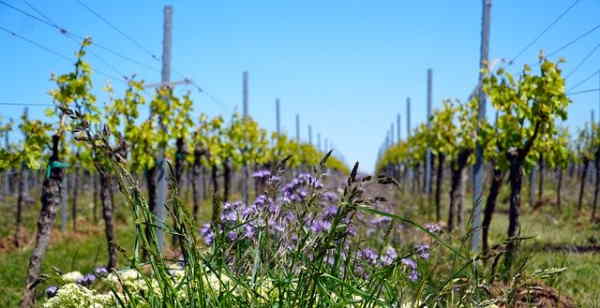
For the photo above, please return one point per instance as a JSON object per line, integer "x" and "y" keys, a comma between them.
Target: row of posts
{"x": 478, "y": 166}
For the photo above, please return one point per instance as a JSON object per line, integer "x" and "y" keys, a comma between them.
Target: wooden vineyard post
{"x": 478, "y": 166}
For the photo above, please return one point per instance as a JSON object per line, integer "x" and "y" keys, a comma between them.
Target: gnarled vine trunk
{"x": 107, "y": 214}
{"x": 226, "y": 180}
{"x": 179, "y": 161}
{"x": 151, "y": 187}
{"x": 541, "y": 178}
{"x": 571, "y": 169}
{"x": 74, "y": 198}
{"x": 415, "y": 178}
{"x": 216, "y": 204}
{"x": 50, "y": 199}
{"x": 597, "y": 184}
{"x": 584, "y": 170}
{"x": 204, "y": 183}
{"x": 20, "y": 196}
{"x": 457, "y": 166}
{"x": 559, "y": 184}
{"x": 96, "y": 193}
{"x": 196, "y": 172}
{"x": 490, "y": 206}
{"x": 532, "y": 188}
{"x": 516, "y": 178}
{"x": 64, "y": 206}
{"x": 454, "y": 191}
{"x": 438, "y": 186}
{"x": 460, "y": 204}
{"x": 245, "y": 183}
{"x": 179, "y": 169}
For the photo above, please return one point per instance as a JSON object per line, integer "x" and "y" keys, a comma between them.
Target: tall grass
{"x": 299, "y": 244}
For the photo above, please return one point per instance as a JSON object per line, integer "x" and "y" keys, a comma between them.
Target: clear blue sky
{"x": 345, "y": 66}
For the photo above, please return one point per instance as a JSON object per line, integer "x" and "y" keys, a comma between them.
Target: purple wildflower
{"x": 295, "y": 191}
{"x": 360, "y": 271}
{"x": 232, "y": 206}
{"x": 274, "y": 208}
{"x": 320, "y": 226}
{"x": 249, "y": 210}
{"x": 232, "y": 236}
{"x": 260, "y": 201}
{"x": 389, "y": 256}
{"x": 303, "y": 193}
{"x": 290, "y": 217}
{"x": 380, "y": 220}
{"x": 87, "y": 280}
{"x": 368, "y": 255}
{"x": 273, "y": 180}
{"x": 423, "y": 251}
{"x": 329, "y": 196}
{"x": 261, "y": 174}
{"x": 249, "y": 231}
{"x": 308, "y": 179}
{"x": 101, "y": 271}
{"x": 433, "y": 228}
{"x": 207, "y": 234}
{"x": 276, "y": 226}
{"x": 351, "y": 230}
{"x": 51, "y": 291}
{"x": 330, "y": 211}
{"x": 229, "y": 216}
{"x": 410, "y": 263}
{"x": 413, "y": 275}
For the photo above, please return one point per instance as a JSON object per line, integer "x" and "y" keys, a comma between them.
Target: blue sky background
{"x": 345, "y": 66}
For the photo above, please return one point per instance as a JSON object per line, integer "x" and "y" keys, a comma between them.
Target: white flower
{"x": 123, "y": 276}
{"x": 71, "y": 295}
{"x": 129, "y": 274}
{"x": 104, "y": 299}
{"x": 71, "y": 277}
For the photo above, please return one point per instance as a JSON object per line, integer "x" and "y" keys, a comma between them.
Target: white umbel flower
{"x": 71, "y": 277}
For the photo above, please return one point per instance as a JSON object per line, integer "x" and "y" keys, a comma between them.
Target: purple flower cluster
{"x": 412, "y": 266}
{"x": 377, "y": 224}
{"x": 230, "y": 212}
{"x": 423, "y": 251}
{"x": 329, "y": 212}
{"x": 329, "y": 196}
{"x": 273, "y": 179}
{"x": 207, "y": 234}
{"x": 249, "y": 217}
{"x": 249, "y": 231}
{"x": 371, "y": 257}
{"x": 87, "y": 280}
{"x": 433, "y": 227}
{"x": 286, "y": 219}
{"x": 51, "y": 291}
{"x": 389, "y": 256}
{"x": 322, "y": 222}
{"x": 380, "y": 221}
{"x": 298, "y": 188}
{"x": 101, "y": 271}
{"x": 262, "y": 174}
{"x": 320, "y": 225}
{"x": 242, "y": 221}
